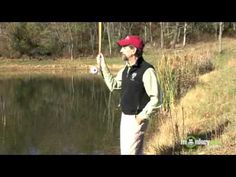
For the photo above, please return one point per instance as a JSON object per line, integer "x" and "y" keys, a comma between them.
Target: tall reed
{"x": 178, "y": 72}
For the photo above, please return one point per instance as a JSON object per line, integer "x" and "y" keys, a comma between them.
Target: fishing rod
{"x": 99, "y": 37}
{"x": 100, "y": 44}
{"x": 94, "y": 69}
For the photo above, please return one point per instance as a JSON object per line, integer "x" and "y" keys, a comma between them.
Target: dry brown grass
{"x": 232, "y": 63}
{"x": 208, "y": 110}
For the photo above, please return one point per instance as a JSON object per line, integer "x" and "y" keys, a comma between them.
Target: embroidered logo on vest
{"x": 133, "y": 76}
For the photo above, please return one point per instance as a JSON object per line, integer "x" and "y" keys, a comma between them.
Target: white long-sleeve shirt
{"x": 151, "y": 85}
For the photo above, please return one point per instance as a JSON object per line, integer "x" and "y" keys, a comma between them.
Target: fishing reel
{"x": 93, "y": 70}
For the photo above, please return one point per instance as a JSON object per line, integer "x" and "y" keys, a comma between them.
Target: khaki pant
{"x": 131, "y": 135}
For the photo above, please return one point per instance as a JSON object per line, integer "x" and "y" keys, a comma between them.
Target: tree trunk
{"x": 178, "y": 35}
{"x": 185, "y": 30}
{"x": 108, "y": 35}
{"x": 220, "y": 36}
{"x": 162, "y": 34}
{"x": 216, "y": 30}
{"x": 71, "y": 42}
{"x": 150, "y": 31}
{"x": 173, "y": 42}
{"x": 112, "y": 32}
{"x": 130, "y": 26}
{"x": 119, "y": 30}
{"x": 92, "y": 39}
{"x": 145, "y": 32}
{"x": 167, "y": 27}
{"x": 81, "y": 40}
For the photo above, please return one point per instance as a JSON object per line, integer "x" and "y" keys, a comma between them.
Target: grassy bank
{"x": 207, "y": 111}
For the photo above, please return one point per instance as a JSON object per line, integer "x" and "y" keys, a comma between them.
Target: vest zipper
{"x": 127, "y": 74}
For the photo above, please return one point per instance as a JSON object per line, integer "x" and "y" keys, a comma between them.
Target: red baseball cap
{"x": 133, "y": 40}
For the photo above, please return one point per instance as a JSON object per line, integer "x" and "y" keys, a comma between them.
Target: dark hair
{"x": 138, "y": 52}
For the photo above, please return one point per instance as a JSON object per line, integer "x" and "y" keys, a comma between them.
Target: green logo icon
{"x": 191, "y": 142}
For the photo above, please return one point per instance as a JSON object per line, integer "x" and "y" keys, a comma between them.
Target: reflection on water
{"x": 52, "y": 115}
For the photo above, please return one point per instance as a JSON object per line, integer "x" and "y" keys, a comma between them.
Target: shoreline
{"x": 48, "y": 66}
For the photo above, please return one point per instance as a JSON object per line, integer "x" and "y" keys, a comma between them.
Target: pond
{"x": 50, "y": 114}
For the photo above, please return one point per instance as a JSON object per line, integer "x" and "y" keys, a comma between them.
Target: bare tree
{"x": 162, "y": 34}
{"x": 108, "y": 35}
{"x": 173, "y": 42}
{"x": 220, "y": 36}
{"x": 64, "y": 33}
{"x": 119, "y": 30}
{"x": 185, "y": 32}
{"x": 150, "y": 31}
{"x": 71, "y": 41}
{"x": 145, "y": 32}
{"x": 178, "y": 34}
{"x": 92, "y": 39}
{"x": 216, "y": 30}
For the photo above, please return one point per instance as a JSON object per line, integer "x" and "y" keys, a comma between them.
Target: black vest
{"x": 133, "y": 95}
